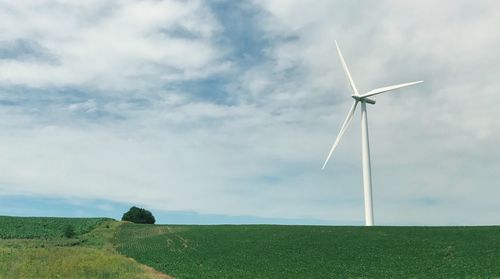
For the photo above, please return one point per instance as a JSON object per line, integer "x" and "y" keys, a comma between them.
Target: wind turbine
{"x": 363, "y": 99}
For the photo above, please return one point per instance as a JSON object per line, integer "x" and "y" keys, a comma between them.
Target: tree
{"x": 139, "y": 215}
{"x": 69, "y": 231}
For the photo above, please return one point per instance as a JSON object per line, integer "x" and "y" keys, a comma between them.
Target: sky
{"x": 224, "y": 111}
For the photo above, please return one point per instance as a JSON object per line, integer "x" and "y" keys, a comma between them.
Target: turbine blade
{"x": 346, "y": 70}
{"x": 388, "y": 88}
{"x": 347, "y": 121}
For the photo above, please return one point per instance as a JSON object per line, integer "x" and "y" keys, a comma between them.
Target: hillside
{"x": 32, "y": 247}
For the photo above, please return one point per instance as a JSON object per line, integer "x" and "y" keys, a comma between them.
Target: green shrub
{"x": 69, "y": 231}
{"x": 139, "y": 216}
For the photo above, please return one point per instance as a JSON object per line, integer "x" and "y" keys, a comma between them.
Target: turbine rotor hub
{"x": 365, "y": 99}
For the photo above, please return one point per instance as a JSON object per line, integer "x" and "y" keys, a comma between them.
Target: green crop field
{"x": 314, "y": 251}
{"x": 43, "y": 227}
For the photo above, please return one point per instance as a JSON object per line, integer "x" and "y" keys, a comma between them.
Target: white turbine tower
{"x": 363, "y": 99}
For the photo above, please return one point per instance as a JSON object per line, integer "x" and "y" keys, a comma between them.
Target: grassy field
{"x": 314, "y": 251}
{"x": 36, "y": 248}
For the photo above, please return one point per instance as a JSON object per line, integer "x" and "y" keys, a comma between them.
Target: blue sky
{"x": 223, "y": 111}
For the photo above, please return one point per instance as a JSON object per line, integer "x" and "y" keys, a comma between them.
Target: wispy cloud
{"x": 229, "y": 108}
{"x": 112, "y": 45}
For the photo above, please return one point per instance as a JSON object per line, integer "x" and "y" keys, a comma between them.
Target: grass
{"x": 65, "y": 262}
{"x": 314, "y": 251}
{"x": 36, "y": 248}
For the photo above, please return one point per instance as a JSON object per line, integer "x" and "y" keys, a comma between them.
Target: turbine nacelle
{"x": 364, "y": 99}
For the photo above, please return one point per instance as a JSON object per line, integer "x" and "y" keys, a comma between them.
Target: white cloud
{"x": 114, "y": 45}
{"x": 87, "y": 106}
{"x": 433, "y": 146}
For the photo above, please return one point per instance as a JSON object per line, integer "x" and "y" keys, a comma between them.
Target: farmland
{"x": 43, "y": 227}
{"x": 314, "y": 251}
{"x": 105, "y": 248}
